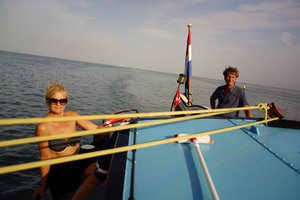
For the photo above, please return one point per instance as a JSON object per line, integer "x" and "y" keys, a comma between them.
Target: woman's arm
{"x": 45, "y": 153}
{"x": 84, "y": 124}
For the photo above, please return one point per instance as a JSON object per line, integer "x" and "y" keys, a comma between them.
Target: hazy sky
{"x": 260, "y": 37}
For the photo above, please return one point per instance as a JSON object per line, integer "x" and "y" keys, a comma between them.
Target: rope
{"x": 25, "y": 166}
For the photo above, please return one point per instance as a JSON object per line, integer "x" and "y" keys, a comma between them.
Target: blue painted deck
{"x": 242, "y": 164}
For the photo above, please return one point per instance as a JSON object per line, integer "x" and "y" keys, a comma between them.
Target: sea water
{"x": 94, "y": 89}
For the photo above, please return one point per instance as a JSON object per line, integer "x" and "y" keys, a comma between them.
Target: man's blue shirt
{"x": 235, "y": 98}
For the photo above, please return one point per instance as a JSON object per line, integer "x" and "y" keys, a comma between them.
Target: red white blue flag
{"x": 177, "y": 99}
{"x": 188, "y": 64}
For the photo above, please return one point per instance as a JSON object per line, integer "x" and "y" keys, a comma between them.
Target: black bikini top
{"x": 61, "y": 144}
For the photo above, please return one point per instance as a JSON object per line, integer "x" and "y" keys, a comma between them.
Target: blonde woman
{"x": 61, "y": 178}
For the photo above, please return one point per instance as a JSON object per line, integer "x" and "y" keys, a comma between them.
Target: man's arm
{"x": 212, "y": 103}
{"x": 248, "y": 113}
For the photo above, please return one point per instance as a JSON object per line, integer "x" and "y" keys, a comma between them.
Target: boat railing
{"x": 193, "y": 114}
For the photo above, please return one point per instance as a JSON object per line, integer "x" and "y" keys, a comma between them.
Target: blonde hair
{"x": 54, "y": 87}
{"x": 232, "y": 70}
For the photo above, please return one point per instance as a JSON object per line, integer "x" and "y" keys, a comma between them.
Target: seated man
{"x": 230, "y": 95}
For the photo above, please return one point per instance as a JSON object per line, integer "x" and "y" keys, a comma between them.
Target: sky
{"x": 260, "y": 37}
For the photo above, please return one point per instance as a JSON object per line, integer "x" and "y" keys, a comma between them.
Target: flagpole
{"x": 188, "y": 66}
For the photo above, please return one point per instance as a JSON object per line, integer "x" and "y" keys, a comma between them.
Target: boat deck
{"x": 242, "y": 164}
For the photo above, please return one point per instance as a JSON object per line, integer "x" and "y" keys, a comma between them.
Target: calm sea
{"x": 93, "y": 89}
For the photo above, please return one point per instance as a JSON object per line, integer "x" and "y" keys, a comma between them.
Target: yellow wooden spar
{"x": 133, "y": 115}
{"x": 204, "y": 113}
{"x": 196, "y": 114}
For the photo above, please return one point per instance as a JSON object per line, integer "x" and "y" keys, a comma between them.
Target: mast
{"x": 188, "y": 66}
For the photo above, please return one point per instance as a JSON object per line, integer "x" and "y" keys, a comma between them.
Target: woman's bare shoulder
{"x": 41, "y": 129}
{"x": 71, "y": 113}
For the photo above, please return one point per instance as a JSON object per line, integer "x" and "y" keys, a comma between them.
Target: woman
{"x": 65, "y": 177}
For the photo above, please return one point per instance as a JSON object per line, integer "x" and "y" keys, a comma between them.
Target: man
{"x": 230, "y": 95}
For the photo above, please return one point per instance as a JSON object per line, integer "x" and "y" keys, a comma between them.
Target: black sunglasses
{"x": 55, "y": 101}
